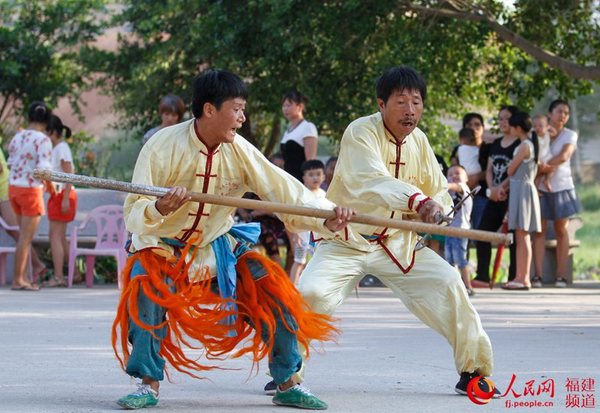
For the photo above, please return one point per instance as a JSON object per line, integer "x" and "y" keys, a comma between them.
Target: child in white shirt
{"x": 313, "y": 175}
{"x": 468, "y": 151}
{"x": 456, "y": 248}
{"x": 542, "y": 129}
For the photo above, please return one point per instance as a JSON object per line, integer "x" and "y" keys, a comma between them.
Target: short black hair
{"x": 275, "y": 156}
{"x": 331, "y": 160}
{"x": 55, "y": 125}
{"x": 296, "y": 97}
{"x": 400, "y": 78}
{"x": 216, "y": 86}
{"x": 558, "y": 102}
{"x": 457, "y": 166}
{"x": 468, "y": 134}
{"x": 510, "y": 108}
{"x": 472, "y": 115}
{"x": 310, "y": 165}
{"x": 39, "y": 112}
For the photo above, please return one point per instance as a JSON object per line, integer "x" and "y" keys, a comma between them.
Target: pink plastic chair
{"x": 110, "y": 240}
{"x": 4, "y": 251}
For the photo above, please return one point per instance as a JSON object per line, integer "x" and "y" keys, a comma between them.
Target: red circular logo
{"x": 476, "y": 394}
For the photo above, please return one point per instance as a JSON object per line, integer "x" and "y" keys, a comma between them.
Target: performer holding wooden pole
{"x": 192, "y": 278}
{"x": 386, "y": 165}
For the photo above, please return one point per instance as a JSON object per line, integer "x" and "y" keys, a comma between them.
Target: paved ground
{"x": 56, "y": 356}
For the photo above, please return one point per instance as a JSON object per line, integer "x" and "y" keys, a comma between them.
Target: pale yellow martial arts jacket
{"x": 175, "y": 156}
{"x": 377, "y": 175}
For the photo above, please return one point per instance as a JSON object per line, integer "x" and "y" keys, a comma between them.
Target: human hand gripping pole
{"x": 274, "y": 207}
{"x": 447, "y": 219}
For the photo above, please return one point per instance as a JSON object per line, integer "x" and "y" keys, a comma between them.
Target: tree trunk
{"x": 274, "y": 138}
{"x": 246, "y": 131}
{"x": 570, "y": 68}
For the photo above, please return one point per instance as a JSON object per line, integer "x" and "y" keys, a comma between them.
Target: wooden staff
{"x": 274, "y": 207}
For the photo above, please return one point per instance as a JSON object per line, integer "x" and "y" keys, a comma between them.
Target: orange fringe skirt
{"x": 195, "y": 314}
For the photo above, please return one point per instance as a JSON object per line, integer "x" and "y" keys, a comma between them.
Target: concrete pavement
{"x": 56, "y": 357}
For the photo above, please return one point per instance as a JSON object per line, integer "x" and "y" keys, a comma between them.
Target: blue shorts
{"x": 455, "y": 251}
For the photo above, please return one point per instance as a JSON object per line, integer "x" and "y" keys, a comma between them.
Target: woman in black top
{"x": 499, "y": 156}
{"x": 299, "y": 142}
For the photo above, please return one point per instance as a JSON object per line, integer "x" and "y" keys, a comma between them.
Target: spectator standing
{"x": 499, "y": 156}
{"x": 6, "y": 211}
{"x": 62, "y": 204}
{"x": 9, "y": 217}
{"x": 474, "y": 121}
{"x": 299, "y": 142}
{"x": 29, "y": 149}
{"x": 329, "y": 170}
{"x": 171, "y": 110}
{"x": 313, "y": 175}
{"x": 455, "y": 249}
{"x": 524, "y": 204}
{"x": 560, "y": 203}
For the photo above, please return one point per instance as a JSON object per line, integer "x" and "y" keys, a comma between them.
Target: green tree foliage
{"x": 333, "y": 52}
{"x": 42, "y": 49}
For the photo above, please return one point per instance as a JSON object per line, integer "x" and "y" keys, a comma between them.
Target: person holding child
{"x": 524, "y": 205}
{"x": 313, "y": 175}
{"x": 559, "y": 202}
{"x": 475, "y": 122}
{"x": 456, "y": 248}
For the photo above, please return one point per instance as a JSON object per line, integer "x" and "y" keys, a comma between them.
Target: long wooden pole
{"x": 274, "y": 207}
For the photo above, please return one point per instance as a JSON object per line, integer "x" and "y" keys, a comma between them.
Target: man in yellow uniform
{"x": 387, "y": 168}
{"x": 192, "y": 279}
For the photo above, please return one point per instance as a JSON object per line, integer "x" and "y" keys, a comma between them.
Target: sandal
{"x": 25, "y": 287}
{"x": 55, "y": 282}
{"x": 515, "y": 285}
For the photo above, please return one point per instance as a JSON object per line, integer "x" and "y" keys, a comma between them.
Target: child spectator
{"x": 468, "y": 151}
{"x": 542, "y": 129}
{"x": 171, "y": 110}
{"x": 524, "y": 214}
{"x": 313, "y": 175}
{"x": 272, "y": 228}
{"x": 329, "y": 170}
{"x": 456, "y": 248}
{"x": 62, "y": 204}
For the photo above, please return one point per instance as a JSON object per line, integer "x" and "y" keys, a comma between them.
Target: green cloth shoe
{"x": 299, "y": 396}
{"x": 144, "y": 396}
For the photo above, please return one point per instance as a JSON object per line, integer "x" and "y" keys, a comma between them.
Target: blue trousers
{"x": 145, "y": 360}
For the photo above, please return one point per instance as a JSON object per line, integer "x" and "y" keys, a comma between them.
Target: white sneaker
{"x": 560, "y": 283}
